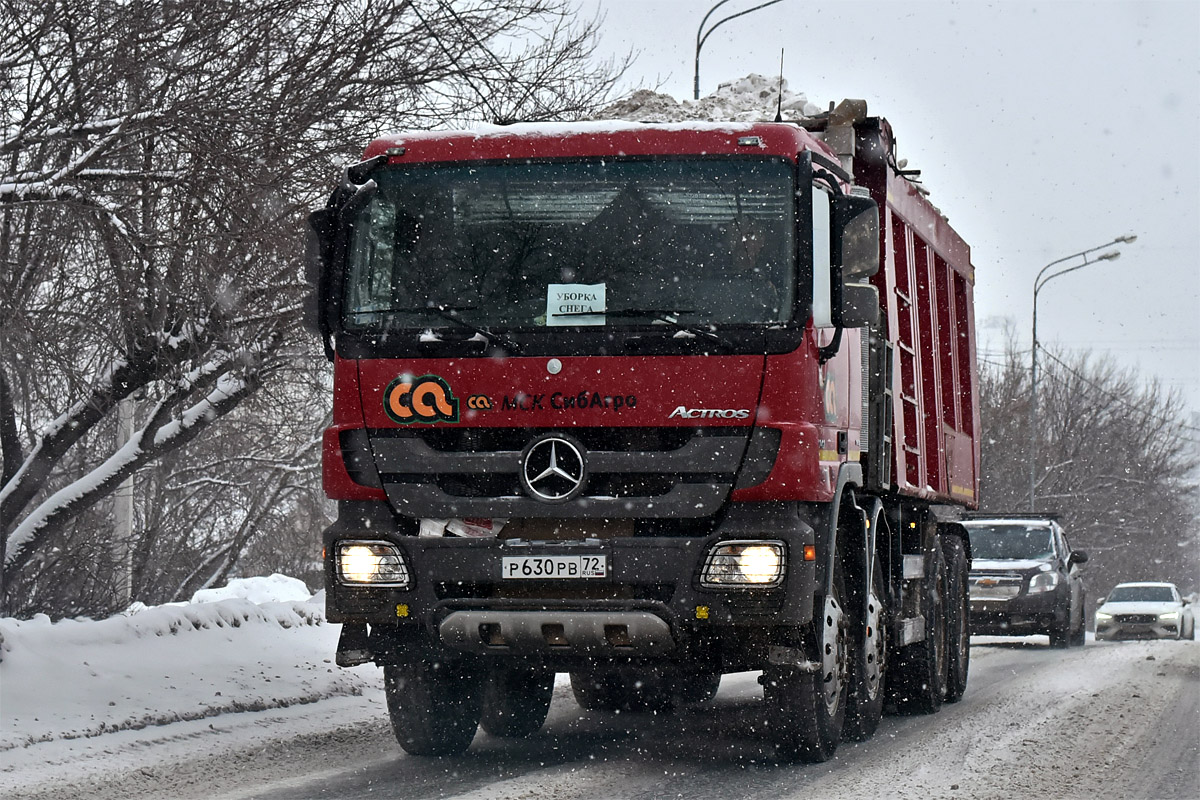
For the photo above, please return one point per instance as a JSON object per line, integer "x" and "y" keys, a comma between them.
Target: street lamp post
{"x": 702, "y": 36}
{"x": 1038, "y": 282}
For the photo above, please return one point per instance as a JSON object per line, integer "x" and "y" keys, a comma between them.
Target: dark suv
{"x": 1025, "y": 579}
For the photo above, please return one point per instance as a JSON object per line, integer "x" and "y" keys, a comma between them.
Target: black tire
{"x": 1060, "y": 635}
{"x": 1079, "y": 635}
{"x": 806, "y": 711}
{"x": 597, "y": 691}
{"x": 693, "y": 689}
{"x": 958, "y": 615}
{"x": 919, "y": 684}
{"x": 864, "y": 704}
{"x": 434, "y": 706}
{"x": 515, "y": 701}
{"x": 622, "y": 690}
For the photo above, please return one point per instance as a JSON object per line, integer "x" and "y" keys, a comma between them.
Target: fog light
{"x": 371, "y": 563}
{"x": 747, "y": 564}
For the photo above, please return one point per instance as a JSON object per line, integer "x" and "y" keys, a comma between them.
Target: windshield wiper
{"x": 451, "y": 313}
{"x": 667, "y": 316}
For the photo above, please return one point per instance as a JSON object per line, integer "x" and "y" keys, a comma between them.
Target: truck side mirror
{"x": 854, "y": 223}
{"x": 855, "y": 236}
{"x": 1078, "y": 557}
{"x": 322, "y": 233}
{"x": 317, "y": 255}
{"x": 326, "y": 244}
{"x": 860, "y": 306}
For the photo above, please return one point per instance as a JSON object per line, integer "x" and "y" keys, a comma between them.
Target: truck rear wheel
{"x": 622, "y": 690}
{"x": 919, "y": 684}
{"x": 807, "y": 710}
{"x": 958, "y": 610}
{"x": 596, "y": 691}
{"x": 434, "y": 706}
{"x": 515, "y": 701}
{"x": 864, "y": 707}
{"x": 694, "y": 688}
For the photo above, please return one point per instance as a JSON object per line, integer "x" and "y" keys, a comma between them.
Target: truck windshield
{"x": 1011, "y": 542}
{"x": 699, "y": 242}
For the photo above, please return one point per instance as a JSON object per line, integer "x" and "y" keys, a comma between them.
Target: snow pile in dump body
{"x": 754, "y": 98}
{"x": 253, "y": 645}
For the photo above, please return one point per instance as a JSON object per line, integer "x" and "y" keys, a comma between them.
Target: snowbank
{"x": 754, "y": 98}
{"x": 256, "y": 644}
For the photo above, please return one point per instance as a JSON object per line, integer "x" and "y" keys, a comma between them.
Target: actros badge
{"x": 553, "y": 469}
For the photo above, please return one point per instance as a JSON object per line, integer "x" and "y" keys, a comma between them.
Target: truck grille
{"x": 632, "y": 472}
{"x": 1137, "y": 619}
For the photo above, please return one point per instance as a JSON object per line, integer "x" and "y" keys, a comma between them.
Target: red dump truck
{"x": 647, "y": 404}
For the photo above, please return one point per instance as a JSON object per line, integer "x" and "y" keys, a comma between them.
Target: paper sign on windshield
{"x": 575, "y": 304}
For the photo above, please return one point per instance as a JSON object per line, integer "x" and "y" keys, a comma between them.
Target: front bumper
{"x": 1118, "y": 630}
{"x": 650, "y": 604}
{"x": 1022, "y": 615}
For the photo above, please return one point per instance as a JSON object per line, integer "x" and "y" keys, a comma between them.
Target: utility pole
{"x": 1038, "y": 283}
{"x": 702, "y": 36}
{"x": 122, "y": 541}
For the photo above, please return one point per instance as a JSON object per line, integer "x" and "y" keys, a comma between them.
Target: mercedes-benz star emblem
{"x": 553, "y": 469}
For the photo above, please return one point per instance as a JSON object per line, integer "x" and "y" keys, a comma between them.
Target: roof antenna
{"x": 779, "y": 108}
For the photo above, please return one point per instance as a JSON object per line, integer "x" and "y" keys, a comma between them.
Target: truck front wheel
{"x": 434, "y": 706}
{"x": 806, "y": 710}
{"x": 515, "y": 701}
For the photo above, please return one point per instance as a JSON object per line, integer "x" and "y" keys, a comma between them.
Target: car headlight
{"x": 1169, "y": 615}
{"x": 749, "y": 564}
{"x": 371, "y": 564}
{"x": 1102, "y": 617}
{"x": 1043, "y": 582}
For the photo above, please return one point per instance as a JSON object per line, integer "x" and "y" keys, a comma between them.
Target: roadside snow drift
{"x": 251, "y": 646}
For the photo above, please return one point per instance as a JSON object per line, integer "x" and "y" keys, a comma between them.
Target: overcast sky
{"x": 1041, "y": 129}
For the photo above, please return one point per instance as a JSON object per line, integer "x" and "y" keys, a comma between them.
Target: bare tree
{"x": 1116, "y": 459}
{"x": 156, "y": 161}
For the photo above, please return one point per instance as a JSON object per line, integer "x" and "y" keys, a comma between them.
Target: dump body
{"x": 649, "y": 404}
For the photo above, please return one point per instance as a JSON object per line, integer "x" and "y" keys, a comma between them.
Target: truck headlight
{"x": 1102, "y": 617}
{"x": 1043, "y": 582}
{"x": 371, "y": 564}
{"x": 1169, "y": 615}
{"x": 748, "y": 564}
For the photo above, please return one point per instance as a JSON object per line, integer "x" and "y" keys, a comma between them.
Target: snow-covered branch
{"x": 146, "y": 444}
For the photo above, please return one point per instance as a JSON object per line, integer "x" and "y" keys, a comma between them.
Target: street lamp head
{"x": 1128, "y": 238}
{"x": 1111, "y": 255}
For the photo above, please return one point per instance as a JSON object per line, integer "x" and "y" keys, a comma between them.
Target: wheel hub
{"x": 833, "y": 655}
{"x": 875, "y": 646}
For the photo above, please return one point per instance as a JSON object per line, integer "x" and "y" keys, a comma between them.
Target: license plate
{"x": 543, "y": 567}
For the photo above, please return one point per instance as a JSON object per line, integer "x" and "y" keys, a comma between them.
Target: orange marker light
{"x": 810, "y": 552}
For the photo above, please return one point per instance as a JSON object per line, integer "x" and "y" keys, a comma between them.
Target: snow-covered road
{"x": 172, "y": 704}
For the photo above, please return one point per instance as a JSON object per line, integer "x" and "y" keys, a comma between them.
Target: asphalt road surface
{"x": 1111, "y": 720}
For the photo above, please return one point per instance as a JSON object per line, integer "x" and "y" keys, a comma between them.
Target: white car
{"x": 1145, "y": 610}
